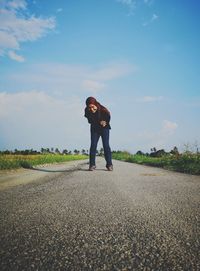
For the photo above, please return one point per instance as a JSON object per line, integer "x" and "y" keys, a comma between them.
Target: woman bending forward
{"x": 99, "y": 118}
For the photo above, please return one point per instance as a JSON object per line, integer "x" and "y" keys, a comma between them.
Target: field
{"x": 186, "y": 162}
{"x": 12, "y": 161}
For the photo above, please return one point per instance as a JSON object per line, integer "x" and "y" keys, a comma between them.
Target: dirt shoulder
{"x": 11, "y": 178}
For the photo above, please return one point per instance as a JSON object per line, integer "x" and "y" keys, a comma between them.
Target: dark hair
{"x": 92, "y": 100}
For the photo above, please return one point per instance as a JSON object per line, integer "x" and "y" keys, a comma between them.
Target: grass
{"x": 186, "y": 162}
{"x": 13, "y": 161}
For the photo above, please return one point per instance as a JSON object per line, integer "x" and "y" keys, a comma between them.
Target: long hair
{"x": 100, "y": 107}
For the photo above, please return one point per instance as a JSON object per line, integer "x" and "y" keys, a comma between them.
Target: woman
{"x": 99, "y": 118}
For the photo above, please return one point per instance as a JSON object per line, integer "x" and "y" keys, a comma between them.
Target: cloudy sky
{"x": 139, "y": 58}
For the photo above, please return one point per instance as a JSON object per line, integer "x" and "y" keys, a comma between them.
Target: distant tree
{"x": 65, "y": 152}
{"x": 174, "y": 151}
{"x": 83, "y": 152}
{"x": 158, "y": 153}
{"x": 153, "y": 149}
{"x": 52, "y": 149}
{"x": 35, "y": 152}
{"x": 140, "y": 153}
{"x": 26, "y": 152}
{"x": 32, "y": 151}
{"x": 76, "y": 151}
{"x": 57, "y": 151}
{"x": 7, "y": 152}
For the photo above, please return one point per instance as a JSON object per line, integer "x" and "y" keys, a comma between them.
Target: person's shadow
{"x": 28, "y": 166}
{"x": 51, "y": 170}
{"x": 97, "y": 169}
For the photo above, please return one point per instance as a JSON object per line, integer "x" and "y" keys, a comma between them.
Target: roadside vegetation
{"x": 186, "y": 162}
{"x": 30, "y": 158}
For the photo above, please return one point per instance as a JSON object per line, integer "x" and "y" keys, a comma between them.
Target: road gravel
{"x": 65, "y": 217}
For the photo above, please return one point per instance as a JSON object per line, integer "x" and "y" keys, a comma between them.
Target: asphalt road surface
{"x": 68, "y": 218}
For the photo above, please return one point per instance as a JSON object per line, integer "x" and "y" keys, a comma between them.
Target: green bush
{"x": 186, "y": 162}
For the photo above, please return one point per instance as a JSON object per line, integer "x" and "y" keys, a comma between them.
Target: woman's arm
{"x": 105, "y": 118}
{"x": 87, "y": 115}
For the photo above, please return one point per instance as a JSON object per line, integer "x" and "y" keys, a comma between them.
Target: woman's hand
{"x": 103, "y": 123}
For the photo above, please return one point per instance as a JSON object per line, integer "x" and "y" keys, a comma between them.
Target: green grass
{"x": 13, "y": 161}
{"x": 186, "y": 162}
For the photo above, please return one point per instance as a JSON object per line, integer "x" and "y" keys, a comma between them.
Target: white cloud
{"x": 153, "y": 18}
{"x": 131, "y": 4}
{"x": 17, "y": 26}
{"x": 16, "y": 57}
{"x": 112, "y": 71}
{"x": 93, "y": 86}
{"x": 7, "y": 41}
{"x": 168, "y": 127}
{"x": 59, "y": 10}
{"x": 17, "y": 4}
{"x": 160, "y": 138}
{"x": 67, "y": 78}
{"x": 35, "y": 119}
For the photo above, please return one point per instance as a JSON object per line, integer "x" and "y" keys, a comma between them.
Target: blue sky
{"x": 140, "y": 58}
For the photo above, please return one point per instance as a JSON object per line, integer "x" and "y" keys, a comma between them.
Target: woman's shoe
{"x": 110, "y": 168}
{"x": 91, "y": 168}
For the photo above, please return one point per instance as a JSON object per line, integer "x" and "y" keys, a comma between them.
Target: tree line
{"x": 154, "y": 152}
{"x": 50, "y": 151}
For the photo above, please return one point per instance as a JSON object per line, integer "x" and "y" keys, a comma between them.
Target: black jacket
{"x": 95, "y": 118}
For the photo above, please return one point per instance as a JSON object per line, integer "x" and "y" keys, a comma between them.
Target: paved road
{"x": 134, "y": 218}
